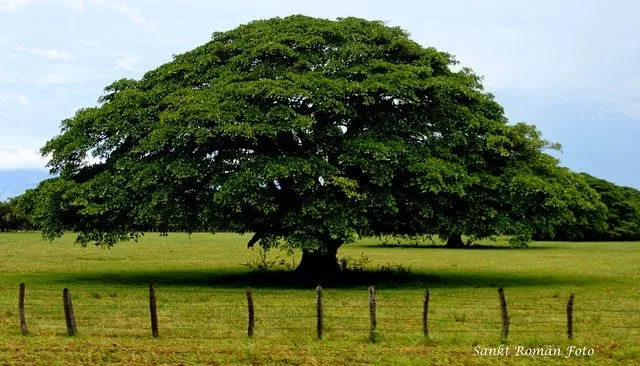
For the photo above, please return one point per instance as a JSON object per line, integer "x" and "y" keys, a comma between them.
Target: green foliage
{"x": 620, "y": 215}
{"x": 11, "y": 217}
{"x": 263, "y": 262}
{"x": 351, "y": 264}
{"x": 521, "y": 190}
{"x": 623, "y": 205}
{"x": 305, "y": 131}
{"x": 550, "y": 199}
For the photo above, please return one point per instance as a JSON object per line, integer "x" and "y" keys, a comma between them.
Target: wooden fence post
{"x": 320, "y": 326}
{"x": 153, "y": 310}
{"x": 251, "y": 313}
{"x": 70, "y": 319}
{"x": 425, "y": 313}
{"x": 23, "y": 320}
{"x": 570, "y": 316}
{"x": 372, "y": 314}
{"x": 505, "y": 315}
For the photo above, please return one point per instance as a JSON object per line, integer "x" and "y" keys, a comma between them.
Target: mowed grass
{"x": 201, "y": 283}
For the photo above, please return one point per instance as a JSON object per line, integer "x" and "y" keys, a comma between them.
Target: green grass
{"x": 202, "y": 306}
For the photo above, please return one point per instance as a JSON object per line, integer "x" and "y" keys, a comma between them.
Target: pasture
{"x": 202, "y": 309}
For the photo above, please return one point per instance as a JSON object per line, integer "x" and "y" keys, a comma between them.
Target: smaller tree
{"x": 11, "y": 217}
{"x": 519, "y": 190}
{"x": 551, "y": 201}
{"x": 621, "y": 216}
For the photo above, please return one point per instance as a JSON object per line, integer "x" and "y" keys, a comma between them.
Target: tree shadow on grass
{"x": 288, "y": 280}
{"x": 470, "y": 247}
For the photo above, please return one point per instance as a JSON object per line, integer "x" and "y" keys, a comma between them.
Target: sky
{"x": 569, "y": 67}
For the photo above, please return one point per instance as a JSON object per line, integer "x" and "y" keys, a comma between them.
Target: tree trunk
{"x": 455, "y": 241}
{"x": 319, "y": 263}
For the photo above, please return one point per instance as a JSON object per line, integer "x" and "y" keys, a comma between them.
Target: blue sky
{"x": 569, "y": 67}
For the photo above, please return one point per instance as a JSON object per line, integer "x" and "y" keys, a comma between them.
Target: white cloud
{"x": 55, "y": 78}
{"x": 127, "y": 62}
{"x": 24, "y": 100}
{"x": 77, "y": 5}
{"x": 54, "y": 74}
{"x": 51, "y": 53}
{"x": 122, "y": 8}
{"x": 87, "y": 43}
{"x": 7, "y": 6}
{"x": 23, "y": 158}
{"x": 67, "y": 73}
{"x": 130, "y": 13}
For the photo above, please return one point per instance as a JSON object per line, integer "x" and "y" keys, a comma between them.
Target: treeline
{"x": 622, "y": 220}
{"x": 622, "y": 217}
{"x": 11, "y": 217}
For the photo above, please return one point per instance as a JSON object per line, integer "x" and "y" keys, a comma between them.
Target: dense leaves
{"x": 11, "y": 218}
{"x": 622, "y": 215}
{"x": 306, "y": 132}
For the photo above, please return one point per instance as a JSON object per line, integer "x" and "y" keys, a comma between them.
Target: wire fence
{"x": 232, "y": 313}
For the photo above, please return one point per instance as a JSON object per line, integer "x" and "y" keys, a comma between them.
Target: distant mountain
{"x": 14, "y": 182}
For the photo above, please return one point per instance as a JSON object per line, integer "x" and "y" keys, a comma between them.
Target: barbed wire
{"x": 101, "y": 314}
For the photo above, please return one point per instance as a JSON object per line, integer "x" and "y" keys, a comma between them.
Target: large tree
{"x": 305, "y": 132}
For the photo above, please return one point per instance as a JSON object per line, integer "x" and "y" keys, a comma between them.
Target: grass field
{"x": 201, "y": 281}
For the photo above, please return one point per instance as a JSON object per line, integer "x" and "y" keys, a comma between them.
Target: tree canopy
{"x": 621, "y": 216}
{"x": 305, "y": 132}
{"x": 11, "y": 217}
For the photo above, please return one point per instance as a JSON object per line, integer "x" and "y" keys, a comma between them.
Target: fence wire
{"x": 223, "y": 313}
